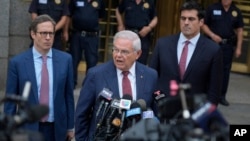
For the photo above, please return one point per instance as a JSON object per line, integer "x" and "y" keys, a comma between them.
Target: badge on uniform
{"x": 57, "y": 1}
{"x": 217, "y": 12}
{"x": 95, "y": 4}
{"x": 146, "y": 5}
{"x": 79, "y": 4}
{"x": 43, "y": 1}
{"x": 234, "y": 13}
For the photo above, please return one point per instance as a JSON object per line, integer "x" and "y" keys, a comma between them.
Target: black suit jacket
{"x": 204, "y": 71}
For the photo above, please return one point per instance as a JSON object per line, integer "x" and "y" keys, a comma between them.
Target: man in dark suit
{"x": 126, "y": 50}
{"x": 203, "y": 62}
{"x": 58, "y": 125}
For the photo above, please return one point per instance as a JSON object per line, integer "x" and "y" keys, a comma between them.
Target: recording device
{"x": 112, "y": 118}
{"x": 209, "y": 118}
{"x": 205, "y": 124}
{"x": 125, "y": 103}
{"x": 104, "y": 97}
{"x": 185, "y": 110}
{"x": 110, "y": 122}
{"x": 144, "y": 130}
{"x": 174, "y": 106}
{"x": 19, "y": 100}
{"x": 31, "y": 114}
{"x": 115, "y": 119}
{"x": 148, "y": 114}
{"x": 142, "y": 104}
{"x": 9, "y": 130}
{"x": 133, "y": 115}
{"x": 158, "y": 96}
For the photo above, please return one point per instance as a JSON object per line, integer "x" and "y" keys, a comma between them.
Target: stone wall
{"x": 14, "y": 35}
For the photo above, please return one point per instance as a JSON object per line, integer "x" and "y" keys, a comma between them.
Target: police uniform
{"x": 136, "y": 16}
{"x": 55, "y": 9}
{"x": 85, "y": 15}
{"x": 223, "y": 23}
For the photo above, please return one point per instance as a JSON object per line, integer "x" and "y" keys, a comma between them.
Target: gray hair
{"x": 127, "y": 34}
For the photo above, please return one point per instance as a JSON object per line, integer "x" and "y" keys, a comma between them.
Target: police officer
{"x": 85, "y": 16}
{"x": 140, "y": 17}
{"x": 56, "y": 9}
{"x": 224, "y": 25}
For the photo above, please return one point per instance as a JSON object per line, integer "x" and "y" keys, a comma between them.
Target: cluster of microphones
{"x": 9, "y": 124}
{"x": 178, "y": 117}
{"x": 114, "y": 116}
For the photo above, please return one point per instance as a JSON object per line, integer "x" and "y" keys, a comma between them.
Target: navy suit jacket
{"x": 21, "y": 69}
{"x": 105, "y": 76}
{"x": 204, "y": 71}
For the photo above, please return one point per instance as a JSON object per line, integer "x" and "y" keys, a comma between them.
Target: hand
{"x": 120, "y": 27}
{"x": 65, "y": 36}
{"x": 216, "y": 38}
{"x": 70, "y": 135}
{"x": 237, "y": 52}
{"x": 144, "y": 31}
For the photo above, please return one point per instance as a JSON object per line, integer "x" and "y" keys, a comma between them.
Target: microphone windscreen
{"x": 134, "y": 105}
{"x": 142, "y": 104}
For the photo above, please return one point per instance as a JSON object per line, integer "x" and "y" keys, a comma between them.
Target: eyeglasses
{"x": 122, "y": 52}
{"x": 45, "y": 34}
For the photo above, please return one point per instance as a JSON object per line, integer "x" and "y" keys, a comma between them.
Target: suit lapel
{"x": 56, "y": 67}
{"x": 110, "y": 77}
{"x": 29, "y": 66}
{"x": 173, "y": 48}
{"x": 195, "y": 57}
{"x": 140, "y": 81}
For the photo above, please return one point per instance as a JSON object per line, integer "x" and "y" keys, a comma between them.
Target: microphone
{"x": 26, "y": 90}
{"x": 134, "y": 113}
{"x": 104, "y": 96}
{"x": 21, "y": 100}
{"x": 209, "y": 118}
{"x": 125, "y": 103}
{"x": 31, "y": 114}
{"x": 114, "y": 106}
{"x": 142, "y": 104}
{"x": 182, "y": 88}
{"x": 147, "y": 113}
{"x": 158, "y": 96}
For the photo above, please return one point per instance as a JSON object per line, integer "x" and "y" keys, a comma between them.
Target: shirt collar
{"x": 131, "y": 70}
{"x": 193, "y": 41}
{"x": 36, "y": 54}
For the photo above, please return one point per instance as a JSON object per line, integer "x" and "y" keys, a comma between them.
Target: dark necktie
{"x": 183, "y": 59}
{"x": 44, "y": 90}
{"x": 126, "y": 86}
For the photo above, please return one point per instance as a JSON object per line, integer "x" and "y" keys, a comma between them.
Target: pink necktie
{"x": 126, "y": 86}
{"x": 183, "y": 59}
{"x": 44, "y": 90}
